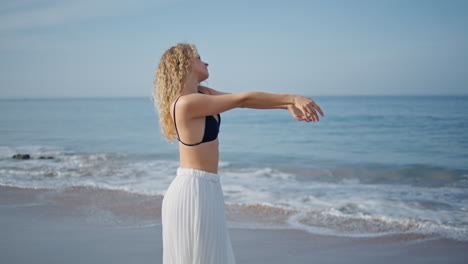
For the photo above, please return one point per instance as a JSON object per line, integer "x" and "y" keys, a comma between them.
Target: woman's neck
{"x": 190, "y": 84}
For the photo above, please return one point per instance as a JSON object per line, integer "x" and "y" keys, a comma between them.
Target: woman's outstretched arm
{"x": 302, "y": 108}
{"x": 261, "y": 100}
{"x": 198, "y": 105}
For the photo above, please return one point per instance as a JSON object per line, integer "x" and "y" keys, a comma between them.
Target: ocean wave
{"x": 333, "y": 222}
{"x": 265, "y": 173}
{"x": 125, "y": 207}
{"x": 347, "y": 200}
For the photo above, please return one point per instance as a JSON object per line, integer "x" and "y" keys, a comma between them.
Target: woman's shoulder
{"x": 205, "y": 90}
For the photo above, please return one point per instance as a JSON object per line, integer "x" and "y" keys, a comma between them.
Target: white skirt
{"x": 194, "y": 221}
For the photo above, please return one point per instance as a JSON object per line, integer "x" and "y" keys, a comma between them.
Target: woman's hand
{"x": 305, "y": 109}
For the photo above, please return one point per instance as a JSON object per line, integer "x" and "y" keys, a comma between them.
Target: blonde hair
{"x": 173, "y": 67}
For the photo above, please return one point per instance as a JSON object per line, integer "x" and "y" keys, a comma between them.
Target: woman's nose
{"x": 206, "y": 64}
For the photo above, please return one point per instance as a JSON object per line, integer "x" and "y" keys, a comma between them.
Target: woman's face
{"x": 200, "y": 68}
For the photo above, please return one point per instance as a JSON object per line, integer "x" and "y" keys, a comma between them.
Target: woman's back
{"x": 198, "y": 139}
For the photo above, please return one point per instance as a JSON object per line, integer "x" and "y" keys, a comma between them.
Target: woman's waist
{"x": 200, "y": 160}
{"x": 197, "y": 173}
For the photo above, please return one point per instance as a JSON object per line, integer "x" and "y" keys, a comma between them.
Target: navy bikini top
{"x": 211, "y": 128}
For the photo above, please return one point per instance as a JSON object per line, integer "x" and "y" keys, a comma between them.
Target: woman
{"x": 193, "y": 217}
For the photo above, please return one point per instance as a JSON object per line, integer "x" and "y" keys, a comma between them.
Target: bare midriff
{"x": 203, "y": 157}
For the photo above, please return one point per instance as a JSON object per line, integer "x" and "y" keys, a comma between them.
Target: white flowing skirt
{"x": 194, "y": 221}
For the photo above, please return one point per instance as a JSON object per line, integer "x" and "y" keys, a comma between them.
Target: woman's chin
{"x": 203, "y": 77}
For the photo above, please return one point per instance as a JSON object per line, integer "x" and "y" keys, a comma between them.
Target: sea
{"x": 372, "y": 166}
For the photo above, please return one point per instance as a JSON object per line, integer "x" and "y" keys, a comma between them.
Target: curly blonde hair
{"x": 173, "y": 67}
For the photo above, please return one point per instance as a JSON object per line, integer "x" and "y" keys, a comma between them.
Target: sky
{"x": 111, "y": 48}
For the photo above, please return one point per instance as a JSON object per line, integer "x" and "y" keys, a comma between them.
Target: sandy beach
{"x": 75, "y": 229}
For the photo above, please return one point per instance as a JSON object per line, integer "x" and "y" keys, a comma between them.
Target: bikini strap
{"x": 175, "y": 125}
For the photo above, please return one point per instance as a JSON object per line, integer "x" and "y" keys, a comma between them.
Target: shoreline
{"x": 56, "y": 232}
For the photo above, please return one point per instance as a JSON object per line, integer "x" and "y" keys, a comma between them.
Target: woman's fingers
{"x": 309, "y": 113}
{"x": 311, "y": 109}
{"x": 305, "y": 114}
{"x": 317, "y": 108}
{"x": 306, "y": 109}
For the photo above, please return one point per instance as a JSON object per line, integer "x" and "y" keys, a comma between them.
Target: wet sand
{"x": 61, "y": 231}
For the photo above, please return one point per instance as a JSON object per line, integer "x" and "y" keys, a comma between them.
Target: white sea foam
{"x": 346, "y": 207}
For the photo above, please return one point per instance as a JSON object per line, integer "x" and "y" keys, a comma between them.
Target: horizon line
{"x": 150, "y": 96}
